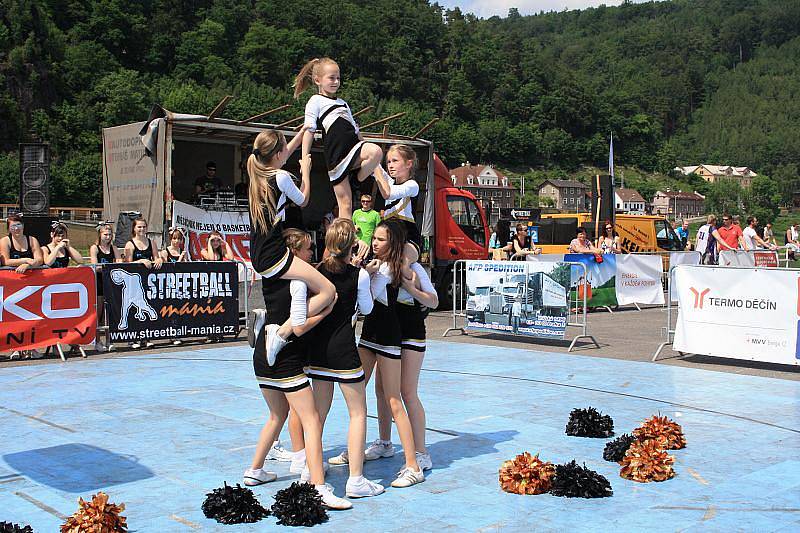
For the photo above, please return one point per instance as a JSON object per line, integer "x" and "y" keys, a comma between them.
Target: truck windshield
{"x": 465, "y": 213}
{"x": 666, "y": 237}
{"x": 482, "y": 291}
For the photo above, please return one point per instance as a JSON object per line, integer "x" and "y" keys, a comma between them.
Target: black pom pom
{"x": 299, "y": 505}
{"x": 589, "y": 422}
{"x": 575, "y": 481}
{"x": 615, "y": 450}
{"x": 233, "y": 505}
{"x": 8, "y": 527}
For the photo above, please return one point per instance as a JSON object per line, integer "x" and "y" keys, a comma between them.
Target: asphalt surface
{"x": 626, "y": 334}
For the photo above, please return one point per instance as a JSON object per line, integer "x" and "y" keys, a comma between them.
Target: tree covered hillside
{"x": 677, "y": 82}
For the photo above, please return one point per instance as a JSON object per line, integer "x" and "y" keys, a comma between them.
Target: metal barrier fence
{"x": 460, "y": 292}
{"x": 243, "y": 299}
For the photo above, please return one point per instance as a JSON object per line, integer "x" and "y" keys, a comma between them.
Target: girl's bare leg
{"x": 390, "y": 370}
{"x": 296, "y": 432}
{"x": 371, "y": 155}
{"x": 384, "y": 411}
{"x": 411, "y": 364}
{"x": 344, "y": 198}
{"x": 278, "y": 410}
{"x": 355, "y": 396}
{"x": 302, "y": 402}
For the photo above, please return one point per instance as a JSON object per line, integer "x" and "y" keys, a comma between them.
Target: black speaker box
{"x": 39, "y": 226}
{"x": 34, "y": 179}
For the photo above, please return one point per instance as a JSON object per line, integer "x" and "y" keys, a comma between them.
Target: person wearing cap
{"x": 209, "y": 183}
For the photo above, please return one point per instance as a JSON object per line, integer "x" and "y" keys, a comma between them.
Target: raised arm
{"x": 426, "y": 293}
{"x": 382, "y": 183}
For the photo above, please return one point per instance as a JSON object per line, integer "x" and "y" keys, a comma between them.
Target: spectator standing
{"x": 706, "y": 241}
{"x": 522, "y": 243}
{"x": 141, "y": 249}
{"x": 500, "y": 244}
{"x": 730, "y": 235}
{"x": 366, "y": 219}
{"x": 23, "y": 252}
{"x": 751, "y": 239}
{"x": 581, "y": 245}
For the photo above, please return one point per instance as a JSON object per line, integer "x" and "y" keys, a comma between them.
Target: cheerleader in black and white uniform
{"x": 381, "y": 339}
{"x": 345, "y": 149}
{"x": 272, "y": 190}
{"x": 416, "y": 292}
{"x": 334, "y": 357}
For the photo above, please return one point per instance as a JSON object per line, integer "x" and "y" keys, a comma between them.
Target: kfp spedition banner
{"x": 196, "y": 299}
{"x": 751, "y": 314}
{"x": 45, "y": 307}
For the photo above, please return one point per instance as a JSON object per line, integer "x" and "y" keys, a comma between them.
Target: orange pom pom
{"x": 647, "y": 461}
{"x": 526, "y": 474}
{"x": 667, "y": 432}
{"x": 96, "y": 516}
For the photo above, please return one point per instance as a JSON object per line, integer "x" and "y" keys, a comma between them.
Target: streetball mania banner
{"x": 522, "y": 298}
{"x": 196, "y": 299}
{"x": 751, "y": 314}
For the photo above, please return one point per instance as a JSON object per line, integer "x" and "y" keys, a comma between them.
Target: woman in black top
{"x": 176, "y": 251}
{"x": 141, "y": 249}
{"x": 103, "y": 252}
{"x": 17, "y": 249}
{"x": 58, "y": 253}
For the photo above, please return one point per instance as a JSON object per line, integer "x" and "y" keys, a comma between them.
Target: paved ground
{"x": 157, "y": 431}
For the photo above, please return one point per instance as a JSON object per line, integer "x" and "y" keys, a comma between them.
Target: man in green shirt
{"x": 366, "y": 219}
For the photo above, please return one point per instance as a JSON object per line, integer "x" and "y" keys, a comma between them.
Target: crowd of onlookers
{"x": 22, "y": 252}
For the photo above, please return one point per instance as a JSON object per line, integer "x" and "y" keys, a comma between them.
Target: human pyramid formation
{"x": 307, "y": 330}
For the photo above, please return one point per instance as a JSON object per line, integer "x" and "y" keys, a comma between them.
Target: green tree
{"x": 763, "y": 199}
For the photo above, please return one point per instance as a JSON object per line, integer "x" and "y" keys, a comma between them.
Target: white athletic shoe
{"x": 424, "y": 461}
{"x": 341, "y": 459}
{"x": 253, "y": 477}
{"x": 298, "y": 462}
{"x": 111, "y": 348}
{"x": 134, "y": 345}
{"x": 15, "y": 355}
{"x": 99, "y": 347}
{"x": 378, "y": 449}
{"x": 330, "y": 500}
{"x": 149, "y": 344}
{"x": 279, "y": 453}
{"x": 305, "y": 474}
{"x": 274, "y": 343}
{"x": 361, "y": 487}
{"x": 177, "y": 342}
{"x": 407, "y": 477}
{"x": 258, "y": 318}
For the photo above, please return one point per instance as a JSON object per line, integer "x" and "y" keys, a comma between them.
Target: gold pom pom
{"x": 647, "y": 461}
{"x": 667, "y": 432}
{"x": 96, "y": 516}
{"x": 526, "y": 474}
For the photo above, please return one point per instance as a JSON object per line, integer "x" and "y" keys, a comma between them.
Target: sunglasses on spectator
{"x": 17, "y": 225}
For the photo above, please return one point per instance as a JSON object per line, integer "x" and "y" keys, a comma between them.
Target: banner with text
{"x": 739, "y": 314}
{"x": 749, "y": 258}
{"x": 196, "y": 299}
{"x": 45, "y": 307}
{"x": 520, "y": 298}
{"x": 199, "y": 223}
{"x": 639, "y": 279}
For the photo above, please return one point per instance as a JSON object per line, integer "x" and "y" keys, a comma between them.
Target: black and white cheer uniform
{"x": 104, "y": 258}
{"x": 381, "y": 330}
{"x": 410, "y": 313}
{"x": 268, "y": 252}
{"x": 147, "y": 253}
{"x": 287, "y": 374}
{"x": 341, "y": 145}
{"x": 399, "y": 207}
{"x": 61, "y": 261}
{"x": 20, "y": 254}
{"x": 333, "y": 355}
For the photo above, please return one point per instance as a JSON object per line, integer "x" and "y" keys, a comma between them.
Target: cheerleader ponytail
{"x": 305, "y": 78}
{"x": 339, "y": 241}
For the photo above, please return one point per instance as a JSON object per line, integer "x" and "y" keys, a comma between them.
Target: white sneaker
{"x": 256, "y": 323}
{"x": 424, "y": 461}
{"x": 361, "y": 487}
{"x": 177, "y": 342}
{"x": 279, "y": 453}
{"x": 340, "y": 459}
{"x": 330, "y": 500}
{"x": 407, "y": 477}
{"x": 149, "y": 344}
{"x": 274, "y": 342}
{"x": 253, "y": 477}
{"x": 99, "y": 346}
{"x": 305, "y": 474}
{"x": 15, "y": 355}
{"x": 134, "y": 345}
{"x": 378, "y": 449}
{"x": 111, "y": 348}
{"x": 298, "y": 462}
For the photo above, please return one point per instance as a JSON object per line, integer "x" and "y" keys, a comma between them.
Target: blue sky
{"x": 487, "y": 8}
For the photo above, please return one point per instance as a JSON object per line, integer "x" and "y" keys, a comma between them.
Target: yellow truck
{"x": 637, "y": 233}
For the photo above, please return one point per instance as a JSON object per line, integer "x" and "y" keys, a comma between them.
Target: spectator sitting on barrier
{"x": 608, "y": 242}
{"x": 147, "y": 256}
{"x": 522, "y": 243}
{"x": 790, "y": 239}
{"x": 23, "y": 252}
{"x": 751, "y": 239}
{"x": 500, "y": 244}
{"x": 706, "y": 241}
{"x": 581, "y": 245}
{"x": 103, "y": 252}
{"x": 730, "y": 235}
{"x": 176, "y": 251}
{"x": 217, "y": 248}
{"x": 769, "y": 236}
